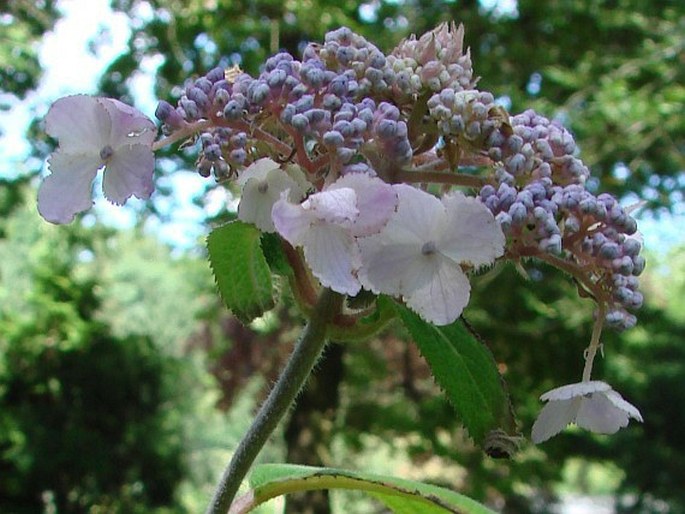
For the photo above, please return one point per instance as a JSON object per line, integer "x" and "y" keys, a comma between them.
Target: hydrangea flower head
{"x": 94, "y": 133}
{"x": 592, "y": 405}
{"x": 327, "y": 224}
{"x": 420, "y": 253}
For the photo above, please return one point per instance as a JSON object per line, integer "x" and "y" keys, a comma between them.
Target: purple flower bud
{"x": 359, "y": 125}
{"x": 198, "y": 96}
{"x": 258, "y": 93}
{"x": 166, "y": 113}
{"x": 518, "y": 213}
{"x": 344, "y": 55}
{"x": 213, "y": 152}
{"x": 504, "y": 220}
{"x": 333, "y": 138}
{"x": 221, "y": 98}
{"x": 631, "y": 247}
{"x": 487, "y": 191}
{"x": 345, "y": 154}
{"x": 216, "y": 74}
{"x": 638, "y": 265}
{"x": 609, "y": 250}
{"x": 233, "y": 110}
{"x": 202, "y": 84}
{"x": 239, "y": 140}
{"x": 516, "y": 164}
{"x": 623, "y": 265}
{"x": 572, "y": 224}
{"x": 276, "y": 78}
{"x": 300, "y": 122}
{"x": 552, "y": 244}
{"x": 238, "y": 155}
{"x": 190, "y": 108}
{"x": 316, "y": 115}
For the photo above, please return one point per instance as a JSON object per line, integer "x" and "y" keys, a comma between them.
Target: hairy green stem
{"x": 292, "y": 379}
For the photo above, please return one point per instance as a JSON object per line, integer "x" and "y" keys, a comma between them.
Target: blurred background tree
{"x": 106, "y": 303}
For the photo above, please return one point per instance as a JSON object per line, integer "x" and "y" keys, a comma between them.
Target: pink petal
{"x": 80, "y": 123}
{"x": 291, "y": 221}
{"x": 67, "y": 190}
{"x": 129, "y": 172}
{"x": 335, "y": 206}
{"x": 376, "y": 201}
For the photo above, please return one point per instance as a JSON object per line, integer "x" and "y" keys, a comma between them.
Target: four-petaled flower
{"x": 420, "y": 253}
{"x": 94, "y": 133}
{"x": 592, "y": 405}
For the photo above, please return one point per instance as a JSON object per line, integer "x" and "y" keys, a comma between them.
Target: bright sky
{"x": 71, "y": 66}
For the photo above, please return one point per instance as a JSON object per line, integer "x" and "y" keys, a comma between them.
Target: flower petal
{"x": 472, "y": 235}
{"x": 333, "y": 256}
{"x": 376, "y": 201}
{"x": 625, "y": 406}
{"x": 598, "y": 414}
{"x": 336, "y": 206}
{"x": 394, "y": 269}
{"x": 260, "y": 194}
{"x": 420, "y": 217}
{"x": 129, "y": 125}
{"x": 553, "y": 418}
{"x": 442, "y": 299}
{"x": 67, "y": 190}
{"x": 574, "y": 390}
{"x": 129, "y": 172}
{"x": 80, "y": 123}
{"x": 291, "y": 221}
{"x": 257, "y": 170}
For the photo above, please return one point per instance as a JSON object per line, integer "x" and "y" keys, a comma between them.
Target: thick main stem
{"x": 292, "y": 379}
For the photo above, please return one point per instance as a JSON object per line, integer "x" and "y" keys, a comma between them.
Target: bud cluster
{"x": 436, "y": 60}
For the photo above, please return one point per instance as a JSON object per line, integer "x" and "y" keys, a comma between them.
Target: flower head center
{"x": 106, "y": 152}
{"x": 429, "y": 248}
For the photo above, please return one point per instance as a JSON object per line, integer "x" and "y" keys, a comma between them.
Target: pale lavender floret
{"x": 94, "y": 133}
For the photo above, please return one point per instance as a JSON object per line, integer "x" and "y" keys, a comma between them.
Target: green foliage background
{"x": 123, "y": 381}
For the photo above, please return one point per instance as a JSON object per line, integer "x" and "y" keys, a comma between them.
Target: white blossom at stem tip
{"x": 592, "y": 405}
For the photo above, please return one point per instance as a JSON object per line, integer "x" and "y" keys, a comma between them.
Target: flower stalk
{"x": 292, "y": 379}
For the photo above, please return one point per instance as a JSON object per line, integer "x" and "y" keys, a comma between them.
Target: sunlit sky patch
{"x": 90, "y": 35}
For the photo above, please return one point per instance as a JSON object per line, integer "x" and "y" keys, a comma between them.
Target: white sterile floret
{"x": 262, "y": 184}
{"x": 326, "y": 225}
{"x": 94, "y": 133}
{"x": 592, "y": 405}
{"x": 420, "y": 252}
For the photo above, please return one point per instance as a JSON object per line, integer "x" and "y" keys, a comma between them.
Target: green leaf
{"x": 240, "y": 269}
{"x": 466, "y": 370}
{"x": 274, "y": 254}
{"x": 401, "y": 496}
